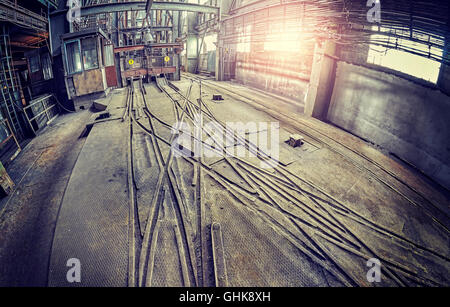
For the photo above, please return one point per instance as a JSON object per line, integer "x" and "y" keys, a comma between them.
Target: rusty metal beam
{"x": 20, "y": 62}
{"x": 153, "y": 28}
{"x": 148, "y": 71}
{"x": 166, "y": 45}
{"x": 129, "y": 48}
{"x": 142, "y": 47}
{"x": 23, "y": 45}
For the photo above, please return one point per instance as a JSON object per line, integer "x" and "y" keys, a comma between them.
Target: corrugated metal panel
{"x": 294, "y": 11}
{"x": 276, "y": 12}
{"x": 249, "y": 18}
{"x": 262, "y": 66}
{"x": 292, "y": 25}
{"x": 276, "y": 26}
{"x": 238, "y": 20}
{"x": 260, "y": 26}
{"x": 229, "y": 26}
{"x": 261, "y": 15}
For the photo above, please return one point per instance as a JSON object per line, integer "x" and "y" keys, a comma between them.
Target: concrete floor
{"x": 345, "y": 202}
{"x": 28, "y": 216}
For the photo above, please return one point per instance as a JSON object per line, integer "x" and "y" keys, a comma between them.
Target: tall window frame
{"x": 47, "y": 69}
{"x": 108, "y": 54}
{"x": 70, "y": 68}
{"x": 35, "y": 63}
{"x": 89, "y": 53}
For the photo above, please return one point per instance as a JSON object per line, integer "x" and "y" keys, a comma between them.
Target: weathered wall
{"x": 260, "y": 48}
{"x": 406, "y": 118}
{"x": 444, "y": 74}
{"x": 88, "y": 82}
{"x": 273, "y": 72}
{"x": 444, "y": 79}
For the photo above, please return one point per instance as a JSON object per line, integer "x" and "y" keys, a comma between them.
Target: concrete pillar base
{"x": 321, "y": 83}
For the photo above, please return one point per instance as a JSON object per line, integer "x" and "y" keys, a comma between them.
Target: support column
{"x": 58, "y": 25}
{"x": 115, "y": 39}
{"x": 444, "y": 74}
{"x": 322, "y": 79}
{"x": 191, "y": 43}
{"x": 218, "y": 60}
{"x": 175, "y": 34}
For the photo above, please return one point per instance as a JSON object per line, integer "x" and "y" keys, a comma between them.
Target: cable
{"x": 57, "y": 101}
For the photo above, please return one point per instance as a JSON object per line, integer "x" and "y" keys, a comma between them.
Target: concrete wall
{"x": 444, "y": 74}
{"x": 406, "y": 118}
{"x": 273, "y": 72}
{"x": 444, "y": 79}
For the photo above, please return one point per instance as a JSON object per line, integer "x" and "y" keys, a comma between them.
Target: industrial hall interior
{"x": 224, "y": 143}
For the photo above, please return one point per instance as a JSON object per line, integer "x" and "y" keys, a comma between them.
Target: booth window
{"x": 34, "y": 63}
{"x": 73, "y": 57}
{"x": 47, "y": 67}
{"x": 89, "y": 50}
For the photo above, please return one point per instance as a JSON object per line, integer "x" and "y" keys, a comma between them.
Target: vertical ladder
{"x": 8, "y": 84}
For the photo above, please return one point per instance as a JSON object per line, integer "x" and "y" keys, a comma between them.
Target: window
{"x": 47, "y": 66}
{"x": 210, "y": 42}
{"x": 192, "y": 47}
{"x": 412, "y": 64}
{"x": 89, "y": 50}
{"x": 34, "y": 63}
{"x": 109, "y": 55}
{"x": 73, "y": 57}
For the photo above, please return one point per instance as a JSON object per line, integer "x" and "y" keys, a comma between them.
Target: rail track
{"x": 402, "y": 188}
{"x": 322, "y": 228}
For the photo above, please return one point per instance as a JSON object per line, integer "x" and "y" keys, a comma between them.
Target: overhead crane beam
{"x": 142, "y": 6}
{"x": 153, "y": 28}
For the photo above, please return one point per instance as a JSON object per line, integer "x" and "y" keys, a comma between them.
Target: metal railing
{"x": 44, "y": 109}
{"x": 4, "y": 124}
{"x": 10, "y": 11}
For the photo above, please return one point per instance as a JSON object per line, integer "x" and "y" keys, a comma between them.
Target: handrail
{"x": 21, "y": 9}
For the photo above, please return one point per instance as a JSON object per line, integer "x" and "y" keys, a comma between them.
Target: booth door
{"x": 110, "y": 67}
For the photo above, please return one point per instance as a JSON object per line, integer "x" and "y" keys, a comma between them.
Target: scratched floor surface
{"x": 137, "y": 213}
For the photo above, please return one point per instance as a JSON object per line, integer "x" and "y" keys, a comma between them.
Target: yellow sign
{"x": 131, "y": 61}
{"x": 166, "y": 59}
